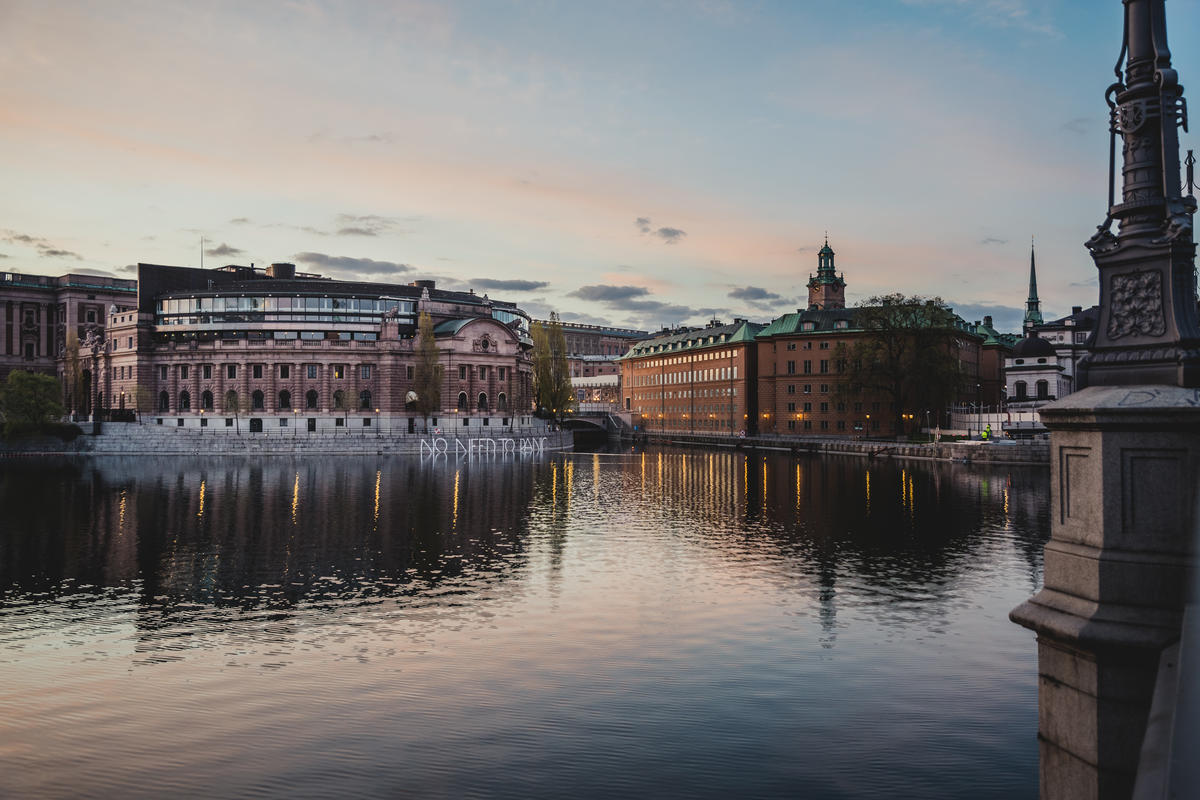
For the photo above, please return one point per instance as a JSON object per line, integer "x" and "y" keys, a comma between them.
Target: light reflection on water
{"x": 654, "y": 624}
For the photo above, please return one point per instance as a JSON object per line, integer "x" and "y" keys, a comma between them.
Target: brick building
{"x": 698, "y": 380}
{"x": 209, "y": 348}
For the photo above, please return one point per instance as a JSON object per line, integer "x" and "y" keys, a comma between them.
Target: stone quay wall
{"x": 1035, "y": 452}
{"x": 136, "y": 439}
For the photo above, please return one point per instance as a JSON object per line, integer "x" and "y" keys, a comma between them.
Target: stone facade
{"x": 264, "y": 350}
{"x": 698, "y": 380}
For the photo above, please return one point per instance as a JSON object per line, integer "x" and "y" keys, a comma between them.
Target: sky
{"x": 630, "y": 164}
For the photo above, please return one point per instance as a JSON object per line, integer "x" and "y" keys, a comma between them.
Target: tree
{"x": 428, "y": 370}
{"x": 907, "y": 354}
{"x": 551, "y": 373}
{"x": 28, "y": 401}
{"x": 143, "y": 400}
{"x": 72, "y": 372}
{"x": 232, "y": 406}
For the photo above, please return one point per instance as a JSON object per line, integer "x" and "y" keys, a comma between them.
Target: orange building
{"x": 695, "y": 380}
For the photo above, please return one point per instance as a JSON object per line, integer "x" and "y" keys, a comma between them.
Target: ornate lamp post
{"x": 1148, "y": 330}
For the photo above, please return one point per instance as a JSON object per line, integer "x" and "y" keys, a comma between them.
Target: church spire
{"x": 828, "y": 289}
{"x": 1033, "y": 306}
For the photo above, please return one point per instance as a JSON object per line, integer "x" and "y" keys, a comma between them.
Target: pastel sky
{"x": 633, "y": 164}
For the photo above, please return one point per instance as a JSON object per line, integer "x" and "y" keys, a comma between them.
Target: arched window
{"x": 310, "y": 399}
{"x": 364, "y": 400}
{"x": 164, "y": 401}
{"x": 231, "y": 401}
{"x": 501, "y": 402}
{"x": 185, "y": 401}
{"x": 483, "y": 403}
{"x": 462, "y": 401}
{"x": 1043, "y": 390}
{"x": 206, "y": 400}
{"x": 1022, "y": 390}
{"x": 285, "y": 399}
{"x": 257, "y": 401}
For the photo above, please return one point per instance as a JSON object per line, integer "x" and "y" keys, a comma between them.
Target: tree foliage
{"x": 908, "y": 354}
{"x": 551, "y": 373}
{"x": 72, "y": 372}
{"x": 428, "y": 370}
{"x": 29, "y": 401}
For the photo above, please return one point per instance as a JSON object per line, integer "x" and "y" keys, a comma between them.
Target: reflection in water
{"x": 661, "y": 623}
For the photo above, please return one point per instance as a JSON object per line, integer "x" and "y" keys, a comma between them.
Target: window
{"x": 502, "y": 403}
{"x": 340, "y": 422}
{"x": 791, "y": 346}
{"x": 1022, "y": 390}
{"x": 339, "y": 400}
{"x": 482, "y": 404}
{"x": 824, "y": 366}
{"x": 808, "y": 406}
{"x": 256, "y": 371}
{"x": 824, "y": 424}
{"x": 285, "y": 371}
{"x": 408, "y": 372}
{"x": 162, "y": 373}
{"x": 339, "y": 371}
{"x": 791, "y": 406}
{"x": 229, "y": 422}
{"x": 824, "y": 345}
{"x": 130, "y": 343}
{"x": 285, "y": 399}
{"x": 312, "y": 371}
{"x": 364, "y": 400}
{"x": 283, "y": 422}
{"x": 164, "y": 400}
{"x": 310, "y": 399}
{"x": 791, "y": 368}
{"x": 257, "y": 401}
{"x": 462, "y": 372}
{"x": 807, "y": 367}
{"x": 824, "y": 388}
{"x": 185, "y": 401}
{"x": 206, "y": 400}
{"x": 824, "y": 407}
{"x": 364, "y": 372}
{"x": 500, "y": 373}
{"x": 841, "y": 425}
{"x": 206, "y": 372}
{"x": 791, "y": 388}
{"x": 808, "y": 388}
{"x": 231, "y": 371}
{"x": 183, "y": 372}
{"x": 462, "y": 401}
{"x": 1043, "y": 390}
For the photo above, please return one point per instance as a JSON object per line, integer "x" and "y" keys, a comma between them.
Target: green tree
{"x": 428, "y": 369}
{"x": 907, "y": 355}
{"x": 551, "y": 372}
{"x": 72, "y": 372}
{"x": 232, "y": 406}
{"x": 29, "y": 401}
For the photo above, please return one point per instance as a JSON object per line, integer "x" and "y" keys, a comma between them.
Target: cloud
{"x": 130, "y": 268}
{"x": 1000, "y": 14}
{"x": 508, "y": 285}
{"x": 366, "y": 225}
{"x": 609, "y": 294}
{"x": 668, "y": 235}
{"x": 583, "y": 319}
{"x": 1081, "y": 126}
{"x": 2, "y": 255}
{"x": 363, "y": 267}
{"x": 1090, "y": 283}
{"x": 43, "y": 247}
{"x": 753, "y": 294}
{"x": 992, "y": 240}
{"x": 223, "y": 249}
{"x": 240, "y": 221}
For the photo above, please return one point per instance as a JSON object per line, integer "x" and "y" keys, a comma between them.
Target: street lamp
{"x": 377, "y": 433}
{"x": 295, "y": 422}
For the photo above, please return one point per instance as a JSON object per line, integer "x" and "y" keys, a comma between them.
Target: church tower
{"x": 827, "y": 289}
{"x": 1033, "y": 306}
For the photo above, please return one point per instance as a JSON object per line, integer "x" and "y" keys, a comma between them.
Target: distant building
{"x": 283, "y": 349}
{"x": 697, "y": 380}
{"x": 1033, "y": 306}
{"x": 994, "y": 351}
{"x": 38, "y": 311}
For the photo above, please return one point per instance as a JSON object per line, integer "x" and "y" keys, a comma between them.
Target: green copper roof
{"x": 690, "y": 339}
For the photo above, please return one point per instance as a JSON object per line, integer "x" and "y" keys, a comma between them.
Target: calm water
{"x": 588, "y": 625}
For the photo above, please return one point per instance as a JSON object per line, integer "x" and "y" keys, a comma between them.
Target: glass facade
{"x": 265, "y": 310}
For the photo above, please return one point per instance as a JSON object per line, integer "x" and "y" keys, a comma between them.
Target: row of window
{"x": 258, "y": 400}
{"x": 1041, "y": 387}
{"x": 687, "y": 376}
{"x": 203, "y": 305}
{"x": 823, "y": 366}
{"x": 283, "y": 371}
{"x": 807, "y": 345}
{"x": 468, "y": 372}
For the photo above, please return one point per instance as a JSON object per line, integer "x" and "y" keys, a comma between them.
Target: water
{"x": 591, "y": 625}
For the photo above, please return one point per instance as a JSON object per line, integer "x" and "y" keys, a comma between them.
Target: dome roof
{"x": 1033, "y": 347}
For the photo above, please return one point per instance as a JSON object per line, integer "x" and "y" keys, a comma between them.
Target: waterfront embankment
{"x": 1008, "y": 452}
{"x": 129, "y": 438}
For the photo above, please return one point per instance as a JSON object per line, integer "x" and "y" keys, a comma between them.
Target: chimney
{"x": 281, "y": 270}
{"x": 1076, "y": 309}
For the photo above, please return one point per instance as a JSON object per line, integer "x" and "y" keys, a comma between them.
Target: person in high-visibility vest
{"x": 987, "y": 432}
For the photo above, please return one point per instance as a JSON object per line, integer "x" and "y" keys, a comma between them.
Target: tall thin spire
{"x": 1033, "y": 306}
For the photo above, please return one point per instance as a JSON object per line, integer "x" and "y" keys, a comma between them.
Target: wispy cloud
{"x": 364, "y": 225}
{"x": 1080, "y": 126}
{"x": 224, "y": 249}
{"x": 514, "y": 285}
{"x": 361, "y": 267}
{"x": 44, "y": 248}
{"x": 1000, "y": 14}
{"x": 240, "y": 221}
{"x": 992, "y": 240}
{"x": 669, "y": 235}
